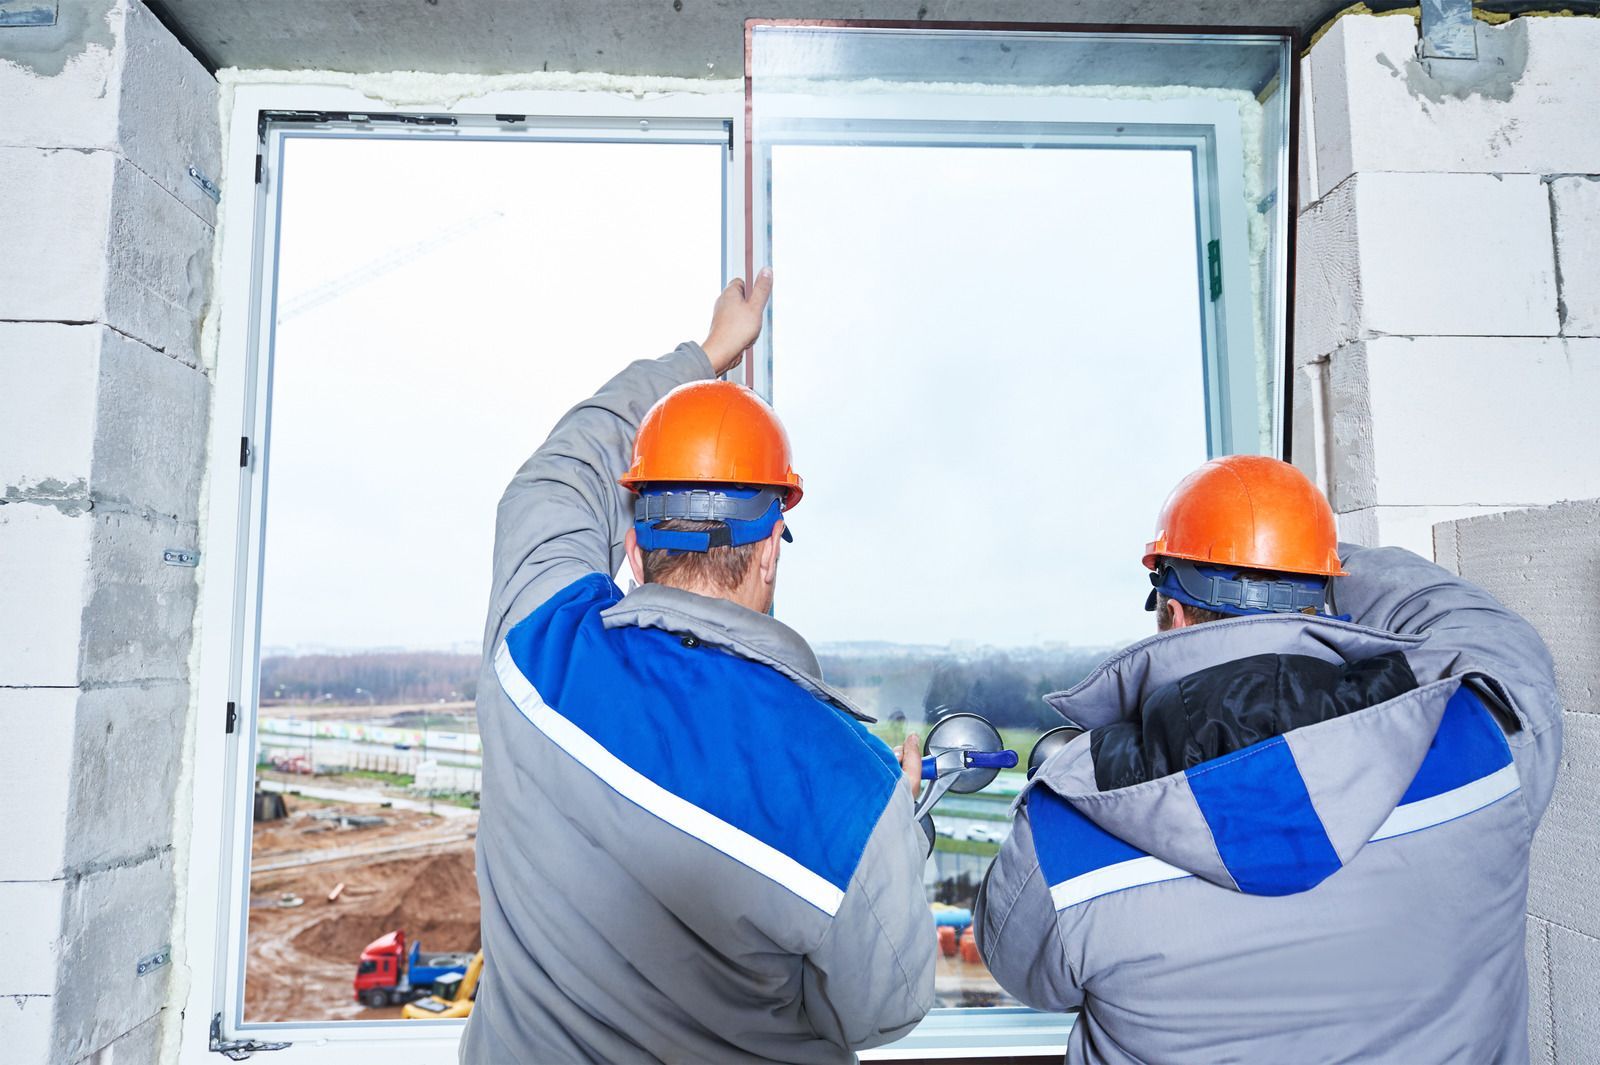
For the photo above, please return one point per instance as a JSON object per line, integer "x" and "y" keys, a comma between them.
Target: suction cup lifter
{"x": 955, "y": 761}
{"x": 964, "y": 754}
{"x": 1049, "y": 744}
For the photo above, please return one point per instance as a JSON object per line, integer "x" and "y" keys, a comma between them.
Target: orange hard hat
{"x": 713, "y": 432}
{"x": 1249, "y": 512}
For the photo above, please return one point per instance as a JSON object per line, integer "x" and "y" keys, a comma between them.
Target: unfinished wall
{"x": 102, "y": 428}
{"x": 1448, "y": 365}
{"x": 1545, "y": 564}
{"x": 1447, "y": 338}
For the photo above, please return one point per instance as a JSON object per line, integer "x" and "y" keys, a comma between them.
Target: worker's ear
{"x": 771, "y": 547}
{"x": 630, "y": 544}
{"x": 1179, "y": 618}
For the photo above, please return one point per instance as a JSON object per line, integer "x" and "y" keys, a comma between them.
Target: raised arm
{"x": 1469, "y": 632}
{"x": 564, "y": 514}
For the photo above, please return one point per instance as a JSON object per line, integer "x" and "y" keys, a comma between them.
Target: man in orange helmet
{"x": 1287, "y": 835}
{"x": 690, "y": 848}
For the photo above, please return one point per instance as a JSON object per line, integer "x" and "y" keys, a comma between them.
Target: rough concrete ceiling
{"x": 681, "y": 38}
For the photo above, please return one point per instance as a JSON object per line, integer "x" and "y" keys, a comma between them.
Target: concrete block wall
{"x": 1447, "y": 370}
{"x": 1545, "y": 564}
{"x": 102, "y": 428}
{"x": 1447, "y": 333}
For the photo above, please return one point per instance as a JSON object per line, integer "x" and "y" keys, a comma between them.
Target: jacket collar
{"x": 1121, "y": 683}
{"x": 732, "y": 628}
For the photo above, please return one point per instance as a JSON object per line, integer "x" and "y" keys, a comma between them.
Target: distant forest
{"x": 910, "y": 684}
{"x": 388, "y": 677}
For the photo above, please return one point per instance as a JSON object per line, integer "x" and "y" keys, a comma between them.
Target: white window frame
{"x": 215, "y": 908}
{"x": 1206, "y": 127}
{"x": 227, "y": 618}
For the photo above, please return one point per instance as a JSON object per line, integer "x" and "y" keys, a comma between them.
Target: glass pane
{"x": 1222, "y": 97}
{"x": 440, "y": 305}
{"x": 995, "y": 344}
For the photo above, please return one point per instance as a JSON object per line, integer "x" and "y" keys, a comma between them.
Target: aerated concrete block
{"x": 1425, "y": 255}
{"x": 167, "y": 119}
{"x": 1566, "y": 850}
{"x": 47, "y": 408}
{"x": 90, "y": 238}
{"x": 1575, "y": 961}
{"x": 159, "y": 266}
{"x": 83, "y": 776}
{"x": 44, "y": 569}
{"x": 55, "y": 212}
{"x": 1409, "y": 527}
{"x": 109, "y": 77}
{"x": 25, "y": 1022}
{"x": 1309, "y": 428}
{"x": 1525, "y": 107}
{"x": 1306, "y": 188}
{"x": 1466, "y": 421}
{"x": 36, "y": 774}
{"x": 127, "y": 755}
{"x": 110, "y": 921}
{"x": 150, "y": 429}
{"x": 1541, "y": 1022}
{"x": 1327, "y": 281}
{"x": 88, "y": 413}
{"x": 1545, "y": 565}
{"x": 1576, "y": 205}
{"x": 89, "y": 598}
{"x": 139, "y": 617}
{"x": 29, "y": 936}
{"x": 60, "y": 83}
{"x": 140, "y": 1046}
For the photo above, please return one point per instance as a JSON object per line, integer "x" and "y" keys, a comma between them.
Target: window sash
{"x": 223, "y": 769}
{"x": 1208, "y": 129}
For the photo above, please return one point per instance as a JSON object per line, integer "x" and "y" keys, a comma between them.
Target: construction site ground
{"x": 414, "y": 872}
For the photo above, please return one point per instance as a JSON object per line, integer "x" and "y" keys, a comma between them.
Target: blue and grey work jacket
{"x": 690, "y": 848}
{"x": 1290, "y": 838}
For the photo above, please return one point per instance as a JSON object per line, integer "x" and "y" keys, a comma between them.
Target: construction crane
{"x": 313, "y": 298}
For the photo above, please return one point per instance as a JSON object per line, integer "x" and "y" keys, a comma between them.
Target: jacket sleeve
{"x": 1469, "y": 632}
{"x": 871, "y": 979}
{"x": 564, "y": 515}
{"x": 1017, "y": 932}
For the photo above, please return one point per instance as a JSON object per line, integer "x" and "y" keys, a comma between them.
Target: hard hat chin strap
{"x": 1226, "y": 591}
{"x": 747, "y": 516}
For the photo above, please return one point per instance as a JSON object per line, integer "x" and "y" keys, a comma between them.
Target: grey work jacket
{"x": 690, "y": 849}
{"x": 1352, "y": 890}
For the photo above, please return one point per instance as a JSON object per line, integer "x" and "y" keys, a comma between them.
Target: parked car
{"x": 995, "y": 833}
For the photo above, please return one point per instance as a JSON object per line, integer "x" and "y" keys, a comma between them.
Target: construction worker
{"x": 1287, "y": 835}
{"x": 690, "y": 847}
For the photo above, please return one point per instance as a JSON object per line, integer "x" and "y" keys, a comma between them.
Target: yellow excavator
{"x": 453, "y": 994}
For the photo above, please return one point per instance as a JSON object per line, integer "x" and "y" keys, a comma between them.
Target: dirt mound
{"x": 433, "y": 899}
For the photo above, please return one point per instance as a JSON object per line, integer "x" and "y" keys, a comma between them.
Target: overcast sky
{"x": 988, "y": 361}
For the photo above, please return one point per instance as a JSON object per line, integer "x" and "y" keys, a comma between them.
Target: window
{"x": 430, "y": 293}
{"x": 403, "y": 318}
{"x": 1027, "y": 280}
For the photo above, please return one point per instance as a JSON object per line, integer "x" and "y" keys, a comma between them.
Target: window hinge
{"x": 1214, "y": 268}
{"x": 258, "y": 169}
{"x": 244, "y": 452}
{"x": 237, "y": 1049}
{"x": 233, "y": 717}
{"x": 727, "y": 127}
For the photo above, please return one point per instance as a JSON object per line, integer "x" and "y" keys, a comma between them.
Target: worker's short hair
{"x": 1197, "y": 615}
{"x": 721, "y": 568}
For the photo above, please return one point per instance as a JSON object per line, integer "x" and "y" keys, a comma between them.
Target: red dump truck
{"x": 388, "y": 976}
